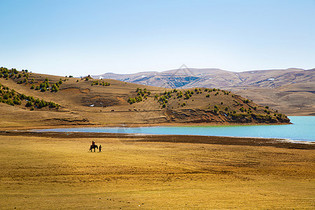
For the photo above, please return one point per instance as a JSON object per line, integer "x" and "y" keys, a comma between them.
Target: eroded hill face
{"x": 290, "y": 90}
{"x": 87, "y": 101}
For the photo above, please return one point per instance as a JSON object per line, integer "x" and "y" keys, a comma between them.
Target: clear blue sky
{"x": 80, "y": 37}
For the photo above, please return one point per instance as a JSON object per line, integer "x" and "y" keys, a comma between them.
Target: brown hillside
{"x": 87, "y": 101}
{"x": 289, "y": 90}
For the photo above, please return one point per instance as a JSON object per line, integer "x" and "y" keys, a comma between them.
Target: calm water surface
{"x": 303, "y": 129}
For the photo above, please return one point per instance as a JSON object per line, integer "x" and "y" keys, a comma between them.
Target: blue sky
{"x": 80, "y": 37}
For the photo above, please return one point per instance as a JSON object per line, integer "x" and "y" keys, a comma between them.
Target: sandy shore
{"x": 79, "y": 125}
{"x": 193, "y": 139}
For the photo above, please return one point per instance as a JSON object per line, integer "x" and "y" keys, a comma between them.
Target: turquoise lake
{"x": 302, "y": 129}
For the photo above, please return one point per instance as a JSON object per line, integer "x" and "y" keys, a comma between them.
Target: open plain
{"x": 238, "y": 73}
{"x": 57, "y": 171}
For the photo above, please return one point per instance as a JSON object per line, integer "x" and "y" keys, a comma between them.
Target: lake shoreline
{"x": 191, "y": 139}
{"x": 134, "y": 125}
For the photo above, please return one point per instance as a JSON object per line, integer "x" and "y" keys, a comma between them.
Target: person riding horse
{"x": 93, "y": 146}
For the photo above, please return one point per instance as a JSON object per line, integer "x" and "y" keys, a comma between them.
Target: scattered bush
{"x": 246, "y": 101}
{"x": 100, "y": 83}
{"x": 12, "y": 98}
{"x": 131, "y": 100}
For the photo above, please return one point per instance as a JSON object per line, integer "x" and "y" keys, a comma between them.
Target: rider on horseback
{"x": 93, "y": 146}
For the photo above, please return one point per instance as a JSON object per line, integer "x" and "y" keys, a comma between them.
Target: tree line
{"x": 11, "y": 97}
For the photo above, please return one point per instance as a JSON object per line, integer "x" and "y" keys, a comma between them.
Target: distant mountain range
{"x": 290, "y": 90}
{"x": 215, "y": 78}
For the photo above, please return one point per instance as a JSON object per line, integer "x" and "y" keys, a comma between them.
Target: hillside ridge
{"x": 289, "y": 90}
{"x": 88, "y": 101}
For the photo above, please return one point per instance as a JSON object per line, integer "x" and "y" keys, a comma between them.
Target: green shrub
{"x": 132, "y": 100}
{"x": 29, "y": 104}
{"x": 54, "y": 88}
{"x": 10, "y": 102}
{"x": 17, "y": 101}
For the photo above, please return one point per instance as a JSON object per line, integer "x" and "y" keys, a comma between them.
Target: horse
{"x": 93, "y": 147}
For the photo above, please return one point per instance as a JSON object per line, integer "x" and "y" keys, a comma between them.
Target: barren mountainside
{"x": 45, "y": 100}
{"x": 289, "y": 90}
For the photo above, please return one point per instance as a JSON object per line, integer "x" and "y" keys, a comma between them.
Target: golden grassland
{"x": 42, "y": 172}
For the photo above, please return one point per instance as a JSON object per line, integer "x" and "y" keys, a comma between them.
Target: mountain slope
{"x": 89, "y": 101}
{"x": 289, "y": 90}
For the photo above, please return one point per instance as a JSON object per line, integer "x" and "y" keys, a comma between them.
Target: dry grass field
{"x": 42, "y": 172}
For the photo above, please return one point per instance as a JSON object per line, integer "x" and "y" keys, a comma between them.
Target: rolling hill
{"x": 32, "y": 100}
{"x": 289, "y": 90}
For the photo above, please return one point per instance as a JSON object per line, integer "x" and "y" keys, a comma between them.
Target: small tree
{"x": 29, "y": 104}
{"x": 17, "y": 101}
{"x": 54, "y": 88}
